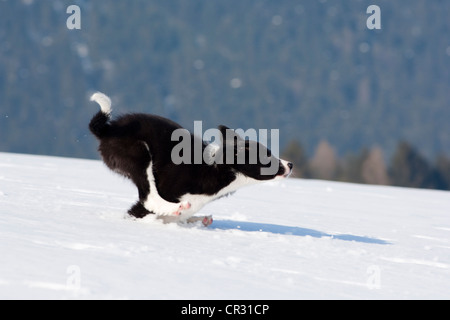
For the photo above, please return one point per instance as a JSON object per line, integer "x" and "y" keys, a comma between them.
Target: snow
{"x": 64, "y": 235}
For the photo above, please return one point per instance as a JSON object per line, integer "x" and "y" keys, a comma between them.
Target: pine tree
{"x": 443, "y": 169}
{"x": 410, "y": 169}
{"x": 295, "y": 153}
{"x": 351, "y": 167}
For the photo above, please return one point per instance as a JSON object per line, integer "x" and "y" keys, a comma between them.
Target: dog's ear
{"x": 229, "y": 136}
{"x": 223, "y": 132}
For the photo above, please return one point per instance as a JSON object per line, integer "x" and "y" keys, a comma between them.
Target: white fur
{"x": 286, "y": 168}
{"x": 165, "y": 209}
{"x": 197, "y": 201}
{"x": 103, "y": 100}
{"x": 155, "y": 203}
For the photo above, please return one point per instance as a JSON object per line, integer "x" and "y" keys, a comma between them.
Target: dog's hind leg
{"x": 136, "y": 164}
{"x": 138, "y": 210}
{"x": 130, "y": 159}
{"x": 155, "y": 203}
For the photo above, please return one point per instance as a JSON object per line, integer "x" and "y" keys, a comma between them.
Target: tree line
{"x": 309, "y": 68}
{"x": 406, "y": 168}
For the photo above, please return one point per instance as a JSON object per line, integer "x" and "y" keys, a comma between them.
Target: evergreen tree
{"x": 410, "y": 169}
{"x": 443, "y": 171}
{"x": 295, "y": 153}
{"x": 351, "y": 167}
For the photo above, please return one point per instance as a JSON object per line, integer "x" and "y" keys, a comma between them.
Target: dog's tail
{"x": 99, "y": 124}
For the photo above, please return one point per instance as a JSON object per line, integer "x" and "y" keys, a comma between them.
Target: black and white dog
{"x": 141, "y": 148}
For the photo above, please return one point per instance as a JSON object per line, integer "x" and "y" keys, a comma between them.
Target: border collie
{"x": 141, "y": 148}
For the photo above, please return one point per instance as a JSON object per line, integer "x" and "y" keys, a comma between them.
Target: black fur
{"x": 129, "y": 143}
{"x": 123, "y": 151}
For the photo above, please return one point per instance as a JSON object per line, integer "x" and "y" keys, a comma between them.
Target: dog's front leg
{"x": 206, "y": 220}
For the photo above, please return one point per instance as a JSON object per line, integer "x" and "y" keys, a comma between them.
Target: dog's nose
{"x": 290, "y": 165}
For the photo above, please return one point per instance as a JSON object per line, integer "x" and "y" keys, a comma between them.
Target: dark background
{"x": 339, "y": 93}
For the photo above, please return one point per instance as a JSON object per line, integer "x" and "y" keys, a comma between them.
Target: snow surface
{"x": 64, "y": 235}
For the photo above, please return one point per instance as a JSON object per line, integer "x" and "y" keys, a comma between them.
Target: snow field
{"x": 64, "y": 235}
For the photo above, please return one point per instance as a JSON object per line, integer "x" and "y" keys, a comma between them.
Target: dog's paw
{"x": 207, "y": 221}
{"x": 184, "y": 205}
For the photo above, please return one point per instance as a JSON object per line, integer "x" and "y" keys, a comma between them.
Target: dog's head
{"x": 247, "y": 157}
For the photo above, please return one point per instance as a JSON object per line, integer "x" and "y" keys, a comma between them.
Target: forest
{"x": 344, "y": 97}
{"x": 406, "y": 168}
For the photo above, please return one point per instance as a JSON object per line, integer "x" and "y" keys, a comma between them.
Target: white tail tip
{"x": 103, "y": 100}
